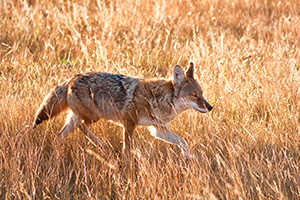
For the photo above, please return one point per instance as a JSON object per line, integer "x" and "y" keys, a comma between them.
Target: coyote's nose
{"x": 209, "y": 108}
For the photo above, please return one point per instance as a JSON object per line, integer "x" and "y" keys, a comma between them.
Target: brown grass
{"x": 248, "y": 64}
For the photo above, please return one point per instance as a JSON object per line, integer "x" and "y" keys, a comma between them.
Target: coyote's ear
{"x": 178, "y": 76}
{"x": 190, "y": 71}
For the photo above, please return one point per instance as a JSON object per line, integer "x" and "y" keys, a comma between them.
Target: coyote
{"x": 126, "y": 100}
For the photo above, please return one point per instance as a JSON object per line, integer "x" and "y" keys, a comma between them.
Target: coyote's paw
{"x": 188, "y": 157}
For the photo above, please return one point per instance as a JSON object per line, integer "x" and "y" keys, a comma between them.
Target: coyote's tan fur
{"x": 127, "y": 100}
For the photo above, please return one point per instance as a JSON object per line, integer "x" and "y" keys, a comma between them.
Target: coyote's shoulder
{"x": 127, "y": 100}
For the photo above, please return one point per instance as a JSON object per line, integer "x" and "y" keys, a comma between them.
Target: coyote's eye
{"x": 195, "y": 95}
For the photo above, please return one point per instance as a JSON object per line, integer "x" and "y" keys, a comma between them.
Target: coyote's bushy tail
{"x": 54, "y": 103}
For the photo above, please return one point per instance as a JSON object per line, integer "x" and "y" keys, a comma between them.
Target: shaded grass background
{"x": 247, "y": 58}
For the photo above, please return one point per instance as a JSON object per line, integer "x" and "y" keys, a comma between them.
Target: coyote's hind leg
{"x": 72, "y": 122}
{"x": 84, "y": 127}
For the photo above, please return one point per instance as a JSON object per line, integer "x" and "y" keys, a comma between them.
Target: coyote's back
{"x": 92, "y": 96}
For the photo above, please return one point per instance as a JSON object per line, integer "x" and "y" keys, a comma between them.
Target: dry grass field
{"x": 247, "y": 62}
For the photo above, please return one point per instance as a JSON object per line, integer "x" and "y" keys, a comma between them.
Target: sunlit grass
{"x": 247, "y": 62}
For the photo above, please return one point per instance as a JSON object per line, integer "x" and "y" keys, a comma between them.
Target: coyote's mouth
{"x": 202, "y": 110}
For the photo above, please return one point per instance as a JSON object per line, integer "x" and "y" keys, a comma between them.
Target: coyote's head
{"x": 188, "y": 93}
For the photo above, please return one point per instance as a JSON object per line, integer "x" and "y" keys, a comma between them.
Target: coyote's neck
{"x": 155, "y": 102}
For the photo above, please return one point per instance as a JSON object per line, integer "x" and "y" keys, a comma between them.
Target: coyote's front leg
{"x": 129, "y": 127}
{"x": 164, "y": 134}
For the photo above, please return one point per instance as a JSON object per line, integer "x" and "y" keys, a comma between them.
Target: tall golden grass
{"x": 248, "y": 64}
